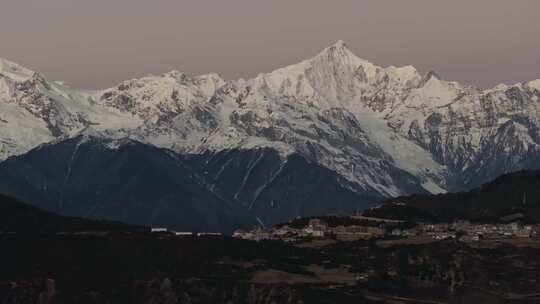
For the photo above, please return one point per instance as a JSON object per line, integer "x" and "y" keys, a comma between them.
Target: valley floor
{"x": 162, "y": 268}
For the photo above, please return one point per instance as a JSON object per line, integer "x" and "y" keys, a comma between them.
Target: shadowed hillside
{"x": 16, "y": 216}
{"x": 512, "y": 196}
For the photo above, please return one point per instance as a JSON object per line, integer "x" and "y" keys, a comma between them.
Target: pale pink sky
{"x": 97, "y": 43}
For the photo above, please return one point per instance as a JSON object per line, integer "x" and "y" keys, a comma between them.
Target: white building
{"x": 209, "y": 234}
{"x": 159, "y": 229}
{"x": 183, "y": 233}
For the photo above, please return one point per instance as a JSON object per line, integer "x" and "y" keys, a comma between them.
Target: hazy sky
{"x": 97, "y": 43}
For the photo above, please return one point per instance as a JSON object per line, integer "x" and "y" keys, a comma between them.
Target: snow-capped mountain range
{"x": 386, "y": 130}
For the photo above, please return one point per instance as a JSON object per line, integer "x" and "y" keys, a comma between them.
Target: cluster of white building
{"x": 316, "y": 228}
{"x": 183, "y": 233}
{"x": 469, "y": 231}
{"x": 493, "y": 231}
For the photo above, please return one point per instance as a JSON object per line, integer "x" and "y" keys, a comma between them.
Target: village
{"x": 373, "y": 228}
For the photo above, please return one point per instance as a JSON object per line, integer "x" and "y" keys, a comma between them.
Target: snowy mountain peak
{"x": 175, "y": 74}
{"x": 346, "y": 64}
{"x": 499, "y": 87}
{"x": 340, "y": 54}
{"x": 403, "y": 74}
{"x": 340, "y": 44}
{"x": 535, "y": 84}
{"x": 14, "y": 71}
{"x": 338, "y": 48}
{"x": 212, "y": 76}
{"x": 333, "y": 75}
{"x": 432, "y": 75}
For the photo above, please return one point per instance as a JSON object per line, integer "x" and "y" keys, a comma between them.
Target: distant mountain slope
{"x": 277, "y": 190}
{"x": 132, "y": 182}
{"x": 511, "y": 194}
{"x": 16, "y": 216}
{"x": 135, "y": 183}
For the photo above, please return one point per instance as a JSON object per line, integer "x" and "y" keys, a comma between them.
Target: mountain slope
{"x": 18, "y": 217}
{"x": 277, "y": 190}
{"x": 34, "y": 111}
{"x": 139, "y": 184}
{"x": 129, "y": 182}
{"x": 515, "y": 193}
{"x": 384, "y": 131}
